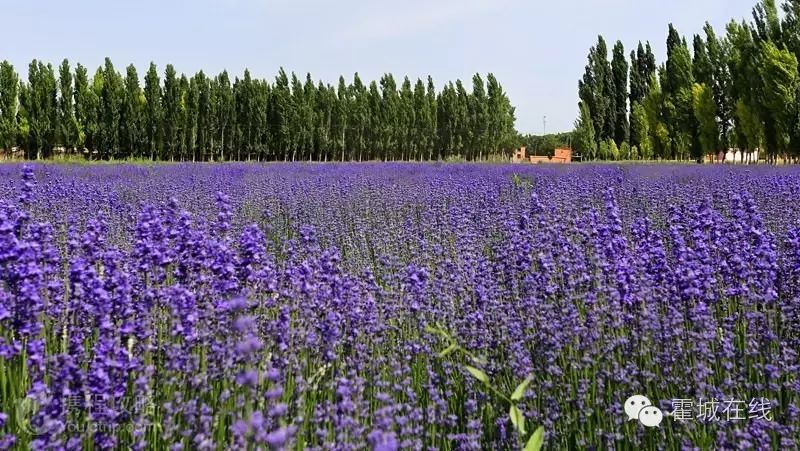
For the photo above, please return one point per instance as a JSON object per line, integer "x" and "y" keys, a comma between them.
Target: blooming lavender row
{"x": 290, "y": 306}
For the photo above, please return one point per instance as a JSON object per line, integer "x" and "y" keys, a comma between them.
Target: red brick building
{"x": 562, "y": 155}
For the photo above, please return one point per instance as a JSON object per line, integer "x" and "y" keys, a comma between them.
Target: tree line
{"x": 738, "y": 90}
{"x": 214, "y": 118}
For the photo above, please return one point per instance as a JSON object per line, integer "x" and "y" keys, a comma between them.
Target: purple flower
{"x": 278, "y": 438}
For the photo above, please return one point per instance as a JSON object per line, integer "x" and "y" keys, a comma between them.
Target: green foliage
{"x": 68, "y": 132}
{"x": 478, "y": 116}
{"x": 676, "y": 81}
{"x": 625, "y": 152}
{"x": 596, "y": 88}
{"x": 38, "y": 100}
{"x": 742, "y": 89}
{"x": 604, "y": 150}
{"x": 501, "y": 133}
{"x": 170, "y": 102}
{"x": 9, "y": 92}
{"x": 132, "y": 122}
{"x": 642, "y": 72}
{"x": 721, "y": 82}
{"x": 656, "y": 107}
{"x": 152, "y": 115}
{"x": 545, "y": 145}
{"x": 477, "y": 374}
{"x": 780, "y": 83}
{"x": 613, "y": 150}
{"x": 638, "y": 75}
{"x": 524, "y": 182}
{"x": 519, "y": 392}
{"x": 766, "y": 24}
{"x": 199, "y": 117}
{"x": 86, "y": 103}
{"x": 515, "y": 414}
{"x": 678, "y": 67}
{"x": 536, "y": 440}
{"x": 701, "y": 64}
{"x": 637, "y": 155}
{"x": 584, "y": 134}
{"x": 640, "y": 130}
{"x": 749, "y": 126}
{"x": 619, "y": 67}
{"x": 705, "y": 111}
{"x": 109, "y": 88}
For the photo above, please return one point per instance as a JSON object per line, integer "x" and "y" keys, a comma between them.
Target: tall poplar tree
{"x": 170, "y": 102}
{"x": 110, "y": 90}
{"x": 705, "y": 111}
{"x": 9, "y": 98}
{"x": 225, "y": 116}
{"x": 86, "y": 105}
{"x": 205, "y": 126}
{"x": 153, "y": 118}
{"x": 38, "y": 101}
{"x": 677, "y": 85}
{"x": 132, "y": 117}
{"x": 343, "y": 127}
{"x": 422, "y": 120}
{"x": 721, "y": 82}
{"x": 596, "y": 91}
{"x": 584, "y": 138}
{"x": 68, "y": 132}
{"x": 619, "y": 68}
{"x": 638, "y": 83}
{"x": 432, "y": 130}
{"x": 479, "y": 116}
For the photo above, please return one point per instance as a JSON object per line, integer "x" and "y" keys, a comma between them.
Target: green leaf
{"x": 536, "y": 441}
{"x": 517, "y": 419}
{"x": 480, "y": 360}
{"x": 478, "y": 374}
{"x": 448, "y": 350}
{"x": 519, "y": 392}
{"x": 438, "y": 330}
{"x": 431, "y": 329}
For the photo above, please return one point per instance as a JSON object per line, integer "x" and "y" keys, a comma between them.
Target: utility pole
{"x": 544, "y": 125}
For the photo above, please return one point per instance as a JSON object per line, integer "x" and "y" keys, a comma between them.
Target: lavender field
{"x": 397, "y": 306}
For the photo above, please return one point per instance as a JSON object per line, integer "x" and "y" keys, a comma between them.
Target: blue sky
{"x": 536, "y": 49}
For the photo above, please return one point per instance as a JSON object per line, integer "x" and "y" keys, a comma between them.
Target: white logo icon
{"x": 634, "y": 405}
{"x": 639, "y": 407}
{"x": 651, "y": 416}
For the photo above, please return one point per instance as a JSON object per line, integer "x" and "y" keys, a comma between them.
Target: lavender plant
{"x": 239, "y": 306}
{"x": 515, "y": 415}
